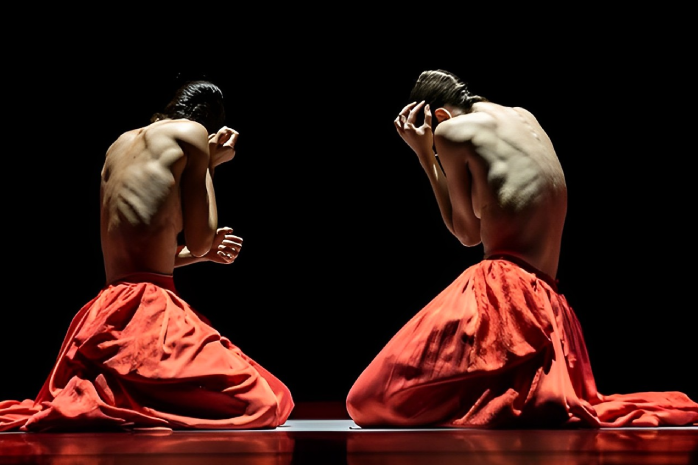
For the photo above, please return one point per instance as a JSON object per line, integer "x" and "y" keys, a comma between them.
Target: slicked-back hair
{"x": 439, "y": 87}
{"x": 200, "y": 101}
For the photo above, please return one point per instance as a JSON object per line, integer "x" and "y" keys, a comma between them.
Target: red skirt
{"x": 138, "y": 356}
{"x": 499, "y": 347}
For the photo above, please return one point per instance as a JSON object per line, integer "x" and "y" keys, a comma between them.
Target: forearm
{"x": 200, "y": 216}
{"x": 212, "y": 205}
{"x": 185, "y": 257}
{"x": 437, "y": 180}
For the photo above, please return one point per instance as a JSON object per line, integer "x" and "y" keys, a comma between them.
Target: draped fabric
{"x": 138, "y": 356}
{"x": 499, "y": 347}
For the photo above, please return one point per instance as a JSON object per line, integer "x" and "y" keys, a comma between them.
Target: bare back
{"x": 140, "y": 196}
{"x": 501, "y": 168}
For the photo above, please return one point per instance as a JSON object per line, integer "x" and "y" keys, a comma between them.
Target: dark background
{"x": 343, "y": 238}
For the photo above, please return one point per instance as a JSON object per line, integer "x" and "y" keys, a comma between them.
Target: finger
{"x": 232, "y": 139}
{"x": 412, "y": 117}
{"x": 406, "y": 109}
{"x": 404, "y": 112}
{"x": 398, "y": 124}
{"x": 401, "y": 118}
{"x": 427, "y": 115}
{"x": 230, "y": 245}
{"x": 227, "y": 257}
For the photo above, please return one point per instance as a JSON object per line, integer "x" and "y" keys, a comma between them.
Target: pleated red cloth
{"x": 500, "y": 347}
{"x": 138, "y": 356}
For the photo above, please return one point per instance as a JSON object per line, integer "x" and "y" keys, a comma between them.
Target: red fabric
{"x": 138, "y": 356}
{"x": 499, "y": 347}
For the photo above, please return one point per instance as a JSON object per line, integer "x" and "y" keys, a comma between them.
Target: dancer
{"x": 137, "y": 355}
{"x": 500, "y": 346}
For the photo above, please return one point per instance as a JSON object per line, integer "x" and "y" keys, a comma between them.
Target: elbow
{"x": 468, "y": 236}
{"x": 468, "y": 241}
{"x": 199, "y": 252}
{"x": 199, "y": 244}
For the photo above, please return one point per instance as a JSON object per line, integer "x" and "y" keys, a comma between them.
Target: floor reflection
{"x": 317, "y": 443}
{"x": 542, "y": 447}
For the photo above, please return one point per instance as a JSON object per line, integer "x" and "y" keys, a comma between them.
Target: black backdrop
{"x": 343, "y": 239}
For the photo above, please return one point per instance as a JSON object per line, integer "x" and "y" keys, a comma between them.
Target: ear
{"x": 442, "y": 114}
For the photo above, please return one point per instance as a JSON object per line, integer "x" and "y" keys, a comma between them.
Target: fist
{"x": 222, "y": 145}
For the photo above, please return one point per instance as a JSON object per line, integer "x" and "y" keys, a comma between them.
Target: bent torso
{"x": 518, "y": 188}
{"x": 140, "y": 205}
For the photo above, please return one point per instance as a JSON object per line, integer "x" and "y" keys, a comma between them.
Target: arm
{"x": 199, "y": 209}
{"x": 464, "y": 221}
{"x": 468, "y": 146}
{"x": 200, "y": 213}
{"x": 421, "y": 141}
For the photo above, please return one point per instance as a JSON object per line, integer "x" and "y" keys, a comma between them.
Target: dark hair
{"x": 200, "y": 101}
{"x": 439, "y": 87}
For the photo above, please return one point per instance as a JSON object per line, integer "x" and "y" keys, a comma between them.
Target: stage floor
{"x": 340, "y": 441}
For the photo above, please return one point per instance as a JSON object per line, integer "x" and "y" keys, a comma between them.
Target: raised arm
{"x": 199, "y": 209}
{"x": 421, "y": 141}
{"x": 463, "y": 218}
{"x": 224, "y": 247}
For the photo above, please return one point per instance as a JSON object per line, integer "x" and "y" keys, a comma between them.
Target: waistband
{"x": 552, "y": 282}
{"x": 162, "y": 280}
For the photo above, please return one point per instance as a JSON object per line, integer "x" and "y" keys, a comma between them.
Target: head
{"x": 444, "y": 92}
{"x": 200, "y": 101}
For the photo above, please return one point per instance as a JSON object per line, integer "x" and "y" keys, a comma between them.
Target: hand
{"x": 419, "y": 138}
{"x": 221, "y": 145}
{"x": 226, "y": 246}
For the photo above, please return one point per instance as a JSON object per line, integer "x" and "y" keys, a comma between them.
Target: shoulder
{"x": 505, "y": 115}
{"x": 469, "y": 127}
{"x": 191, "y": 137}
{"x": 486, "y": 123}
{"x": 184, "y": 129}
